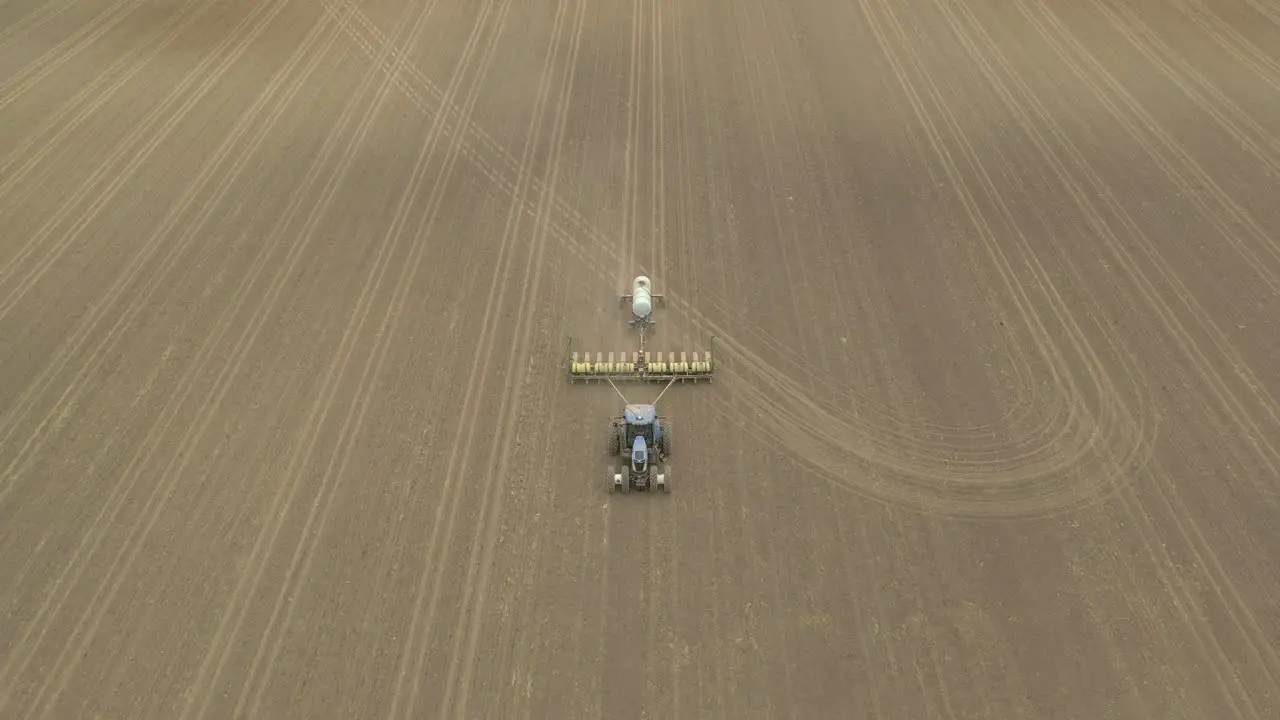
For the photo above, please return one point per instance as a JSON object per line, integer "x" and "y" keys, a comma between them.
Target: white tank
{"x": 641, "y": 297}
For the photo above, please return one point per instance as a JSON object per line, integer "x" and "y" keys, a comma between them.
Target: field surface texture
{"x": 286, "y": 288}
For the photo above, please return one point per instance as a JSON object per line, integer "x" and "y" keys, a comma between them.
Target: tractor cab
{"x": 641, "y": 423}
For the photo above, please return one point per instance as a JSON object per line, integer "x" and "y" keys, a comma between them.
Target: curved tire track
{"x": 933, "y": 458}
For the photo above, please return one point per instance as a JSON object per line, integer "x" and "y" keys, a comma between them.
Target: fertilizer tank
{"x": 641, "y": 298}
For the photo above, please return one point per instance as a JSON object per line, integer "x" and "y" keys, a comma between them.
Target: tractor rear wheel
{"x": 615, "y": 440}
{"x": 664, "y": 443}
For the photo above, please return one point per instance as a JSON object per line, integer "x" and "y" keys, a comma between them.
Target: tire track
{"x": 576, "y": 247}
{"x": 1263, "y": 651}
{"x": 1025, "y": 481}
{"x": 587, "y": 558}
{"x": 834, "y": 433}
{"x": 1262, "y": 146}
{"x": 96, "y": 529}
{"x": 1128, "y": 263}
{"x": 490, "y": 157}
{"x": 1027, "y": 417}
{"x": 1237, "y": 610}
{"x": 576, "y": 237}
{"x": 686, "y": 188}
{"x": 1249, "y": 629}
{"x": 228, "y": 51}
{"x": 493, "y": 160}
{"x": 631, "y": 187}
{"x": 245, "y": 32}
{"x": 675, "y": 661}
{"x": 1038, "y": 404}
{"x": 823, "y": 439}
{"x": 1107, "y": 387}
{"x": 1132, "y": 508}
{"x": 924, "y": 664}
{"x": 598, "y": 683}
{"x": 373, "y": 367}
{"x": 734, "y": 687}
{"x": 1029, "y": 317}
{"x": 20, "y": 410}
{"x": 575, "y": 220}
{"x": 1266, "y": 68}
{"x": 413, "y": 653}
{"x": 714, "y": 680}
{"x": 684, "y": 231}
{"x": 1265, "y": 10}
{"x": 46, "y": 11}
{"x": 137, "y": 535}
{"x": 658, "y": 178}
{"x": 776, "y": 27}
{"x": 1185, "y": 605}
{"x": 522, "y": 635}
{"x": 418, "y": 644}
{"x": 945, "y": 470}
{"x": 751, "y": 36}
{"x": 868, "y": 401}
{"x": 766, "y": 142}
{"x": 1150, "y": 134}
{"x": 479, "y": 146}
{"x": 721, "y": 684}
{"x": 875, "y": 654}
{"x": 204, "y": 684}
{"x": 115, "y": 335}
{"x": 483, "y": 546}
{"x": 40, "y": 68}
{"x": 651, "y": 590}
{"x": 1094, "y": 217}
{"x": 1029, "y": 411}
{"x": 1235, "y": 407}
{"x": 1027, "y": 414}
{"x": 84, "y": 103}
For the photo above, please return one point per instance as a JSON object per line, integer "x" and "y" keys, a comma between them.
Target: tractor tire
{"x": 615, "y": 440}
{"x": 666, "y": 479}
{"x": 664, "y": 444}
{"x": 612, "y": 488}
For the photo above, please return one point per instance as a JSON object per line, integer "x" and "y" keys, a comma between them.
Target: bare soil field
{"x": 286, "y": 287}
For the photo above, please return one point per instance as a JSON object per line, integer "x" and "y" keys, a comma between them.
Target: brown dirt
{"x": 284, "y": 293}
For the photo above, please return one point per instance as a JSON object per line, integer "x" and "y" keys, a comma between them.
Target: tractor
{"x": 639, "y": 438}
{"x": 642, "y": 441}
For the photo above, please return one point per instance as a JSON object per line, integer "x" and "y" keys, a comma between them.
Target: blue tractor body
{"x": 644, "y": 440}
